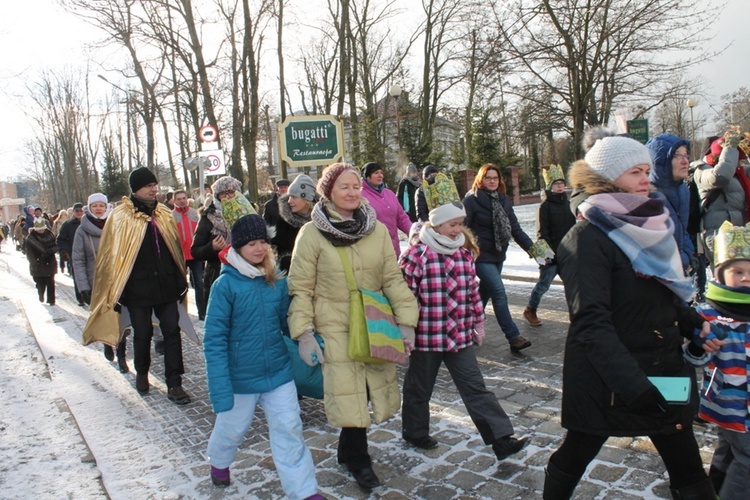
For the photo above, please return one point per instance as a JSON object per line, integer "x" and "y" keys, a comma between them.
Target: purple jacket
{"x": 389, "y": 212}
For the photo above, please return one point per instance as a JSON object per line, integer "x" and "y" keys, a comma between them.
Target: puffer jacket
{"x": 320, "y": 300}
{"x": 243, "y": 345}
{"x": 85, "y": 248}
{"x": 662, "y": 149}
{"x": 389, "y": 211}
{"x": 725, "y": 393}
{"x": 478, "y": 207}
{"x": 729, "y": 205}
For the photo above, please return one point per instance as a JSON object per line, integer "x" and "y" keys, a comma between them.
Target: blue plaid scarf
{"x": 642, "y": 229}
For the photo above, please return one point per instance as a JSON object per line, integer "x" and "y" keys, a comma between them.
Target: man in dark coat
{"x": 65, "y": 243}
{"x": 271, "y": 208}
{"x": 155, "y": 285}
{"x": 407, "y": 190}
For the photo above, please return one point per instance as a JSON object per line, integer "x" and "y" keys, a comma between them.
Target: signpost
{"x": 6, "y": 202}
{"x": 638, "y": 130}
{"x": 311, "y": 140}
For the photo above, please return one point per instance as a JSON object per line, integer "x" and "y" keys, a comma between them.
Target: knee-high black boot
{"x": 698, "y": 491}
{"x": 557, "y": 484}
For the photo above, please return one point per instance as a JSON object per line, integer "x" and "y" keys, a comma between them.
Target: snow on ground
{"x": 45, "y": 373}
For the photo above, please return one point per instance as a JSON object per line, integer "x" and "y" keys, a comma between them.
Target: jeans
{"x": 491, "y": 286}
{"x": 484, "y": 409}
{"x": 290, "y": 454}
{"x": 196, "y": 279}
{"x": 546, "y": 275}
{"x": 737, "y": 481}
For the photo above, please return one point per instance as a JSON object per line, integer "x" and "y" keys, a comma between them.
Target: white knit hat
{"x": 611, "y": 157}
{"x": 444, "y": 213}
{"x": 97, "y": 197}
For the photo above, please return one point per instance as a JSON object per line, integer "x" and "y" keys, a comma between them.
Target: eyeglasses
{"x": 492, "y": 179}
{"x": 682, "y": 157}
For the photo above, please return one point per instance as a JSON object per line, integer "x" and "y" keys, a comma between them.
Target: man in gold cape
{"x": 140, "y": 266}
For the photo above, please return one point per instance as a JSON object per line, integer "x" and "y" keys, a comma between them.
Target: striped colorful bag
{"x": 374, "y": 335}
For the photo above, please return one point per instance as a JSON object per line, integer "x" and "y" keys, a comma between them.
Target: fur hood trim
{"x": 582, "y": 178}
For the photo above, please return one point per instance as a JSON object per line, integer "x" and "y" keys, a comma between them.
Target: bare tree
{"x": 592, "y": 55}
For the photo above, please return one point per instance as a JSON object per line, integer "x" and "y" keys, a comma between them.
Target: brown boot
{"x": 530, "y": 314}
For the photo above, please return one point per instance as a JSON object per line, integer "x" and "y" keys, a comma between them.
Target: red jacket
{"x": 186, "y": 220}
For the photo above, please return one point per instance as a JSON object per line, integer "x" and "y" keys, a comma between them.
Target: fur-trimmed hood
{"x": 585, "y": 182}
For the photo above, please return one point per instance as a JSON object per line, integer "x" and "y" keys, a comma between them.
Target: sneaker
{"x": 220, "y": 477}
{"x": 178, "y": 395}
{"x": 425, "y": 443}
{"x": 109, "y": 353}
{"x": 518, "y": 344}
{"x": 530, "y": 314}
{"x": 141, "y": 383}
{"x": 507, "y": 446}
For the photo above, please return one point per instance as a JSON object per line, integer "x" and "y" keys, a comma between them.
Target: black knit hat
{"x": 370, "y": 168}
{"x": 429, "y": 169}
{"x": 141, "y": 177}
{"x": 248, "y": 228}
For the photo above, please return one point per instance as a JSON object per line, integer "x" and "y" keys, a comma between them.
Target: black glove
{"x": 86, "y": 296}
{"x": 650, "y": 401}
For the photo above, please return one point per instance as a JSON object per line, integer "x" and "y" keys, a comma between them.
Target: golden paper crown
{"x": 731, "y": 243}
{"x": 552, "y": 174}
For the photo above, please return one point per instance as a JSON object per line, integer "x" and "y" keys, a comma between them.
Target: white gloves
{"x": 309, "y": 350}
{"x": 407, "y": 332}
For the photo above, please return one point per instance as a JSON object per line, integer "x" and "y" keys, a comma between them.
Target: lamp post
{"x": 691, "y": 103}
{"x": 395, "y": 92}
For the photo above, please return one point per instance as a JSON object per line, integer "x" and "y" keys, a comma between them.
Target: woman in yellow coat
{"x": 320, "y": 303}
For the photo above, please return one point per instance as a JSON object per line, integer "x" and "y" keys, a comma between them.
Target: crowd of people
{"x": 623, "y": 244}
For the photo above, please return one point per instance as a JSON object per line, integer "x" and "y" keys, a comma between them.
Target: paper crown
{"x": 731, "y": 243}
{"x": 440, "y": 192}
{"x": 552, "y": 174}
{"x": 40, "y": 224}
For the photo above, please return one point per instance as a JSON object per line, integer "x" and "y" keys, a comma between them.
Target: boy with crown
{"x": 725, "y": 392}
{"x": 554, "y": 219}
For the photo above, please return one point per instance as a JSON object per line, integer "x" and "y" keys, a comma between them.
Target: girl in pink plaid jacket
{"x": 439, "y": 269}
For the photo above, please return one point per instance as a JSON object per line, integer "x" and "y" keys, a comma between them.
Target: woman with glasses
{"x": 671, "y": 156}
{"x": 489, "y": 213}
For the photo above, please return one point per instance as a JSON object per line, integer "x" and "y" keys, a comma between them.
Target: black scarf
{"x": 500, "y": 222}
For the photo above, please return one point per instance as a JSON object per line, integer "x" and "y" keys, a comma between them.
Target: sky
{"x": 38, "y": 35}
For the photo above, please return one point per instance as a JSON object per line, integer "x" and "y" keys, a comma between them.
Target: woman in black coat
{"x": 41, "y": 248}
{"x": 489, "y": 213}
{"x": 295, "y": 210}
{"x": 624, "y": 286}
{"x": 212, "y": 234}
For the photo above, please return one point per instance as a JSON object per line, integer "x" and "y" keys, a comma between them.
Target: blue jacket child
{"x": 247, "y": 362}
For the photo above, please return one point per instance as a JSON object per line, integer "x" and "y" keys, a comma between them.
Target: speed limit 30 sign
{"x": 216, "y": 159}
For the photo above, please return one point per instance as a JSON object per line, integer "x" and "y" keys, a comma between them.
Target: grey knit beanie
{"x": 611, "y": 157}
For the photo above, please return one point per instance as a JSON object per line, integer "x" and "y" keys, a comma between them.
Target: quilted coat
{"x": 243, "y": 345}
{"x": 320, "y": 299}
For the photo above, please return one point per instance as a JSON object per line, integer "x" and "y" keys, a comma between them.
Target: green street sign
{"x": 638, "y": 130}
{"x": 311, "y": 140}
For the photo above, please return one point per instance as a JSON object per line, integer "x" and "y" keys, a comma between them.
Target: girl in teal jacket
{"x": 247, "y": 361}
